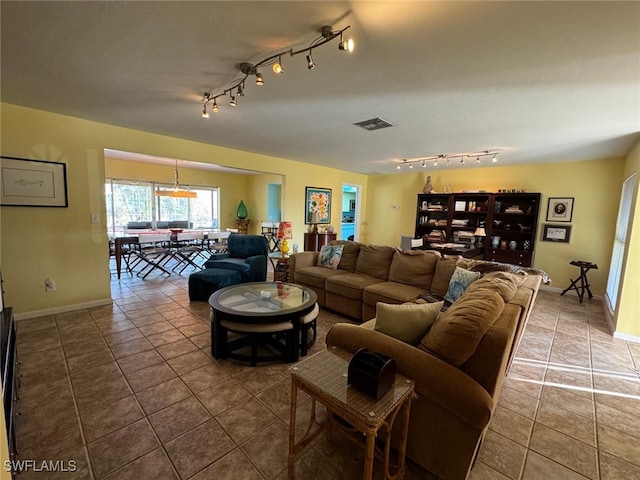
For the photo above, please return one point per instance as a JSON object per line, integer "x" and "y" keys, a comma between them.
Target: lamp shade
{"x": 285, "y": 230}
{"x": 480, "y": 232}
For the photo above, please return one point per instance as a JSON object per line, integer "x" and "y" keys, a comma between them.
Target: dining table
{"x": 134, "y": 239}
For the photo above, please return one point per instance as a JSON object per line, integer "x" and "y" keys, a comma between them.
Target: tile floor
{"x": 130, "y": 391}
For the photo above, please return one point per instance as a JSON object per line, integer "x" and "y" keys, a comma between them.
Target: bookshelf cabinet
{"x": 510, "y": 221}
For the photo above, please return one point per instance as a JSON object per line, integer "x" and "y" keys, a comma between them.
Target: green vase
{"x": 242, "y": 211}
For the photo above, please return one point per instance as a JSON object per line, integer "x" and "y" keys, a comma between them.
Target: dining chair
{"x": 153, "y": 249}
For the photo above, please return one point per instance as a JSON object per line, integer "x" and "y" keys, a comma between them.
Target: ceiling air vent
{"x": 373, "y": 124}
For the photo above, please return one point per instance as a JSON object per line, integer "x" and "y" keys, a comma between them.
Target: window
{"x": 133, "y": 201}
{"x": 620, "y": 241}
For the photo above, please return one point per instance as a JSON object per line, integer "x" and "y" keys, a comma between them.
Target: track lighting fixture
{"x": 233, "y": 102}
{"x": 310, "y": 63}
{"x": 435, "y": 158}
{"x": 327, "y": 34}
{"x": 205, "y": 114}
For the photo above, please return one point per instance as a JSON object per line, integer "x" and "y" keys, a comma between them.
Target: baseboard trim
{"x": 627, "y": 337}
{"x": 62, "y": 309}
{"x": 570, "y": 292}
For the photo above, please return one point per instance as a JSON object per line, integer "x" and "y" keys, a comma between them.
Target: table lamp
{"x": 315, "y": 219}
{"x": 479, "y": 233}
{"x": 284, "y": 233}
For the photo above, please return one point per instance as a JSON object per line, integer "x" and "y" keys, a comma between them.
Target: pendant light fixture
{"x": 176, "y": 191}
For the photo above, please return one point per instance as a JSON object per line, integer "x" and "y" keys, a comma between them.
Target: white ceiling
{"x": 538, "y": 81}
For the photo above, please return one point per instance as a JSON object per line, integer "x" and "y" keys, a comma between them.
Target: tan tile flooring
{"x": 131, "y": 391}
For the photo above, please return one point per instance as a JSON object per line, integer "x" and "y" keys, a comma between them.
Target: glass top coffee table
{"x": 262, "y": 313}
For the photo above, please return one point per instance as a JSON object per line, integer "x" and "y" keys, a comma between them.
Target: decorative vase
{"x": 242, "y": 213}
{"x": 495, "y": 241}
{"x": 503, "y": 244}
{"x": 428, "y": 187}
{"x": 526, "y": 245}
{"x": 513, "y": 245}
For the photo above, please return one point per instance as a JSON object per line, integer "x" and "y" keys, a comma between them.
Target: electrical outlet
{"x": 95, "y": 218}
{"x": 49, "y": 285}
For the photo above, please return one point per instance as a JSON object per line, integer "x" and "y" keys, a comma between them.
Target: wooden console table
{"x": 314, "y": 241}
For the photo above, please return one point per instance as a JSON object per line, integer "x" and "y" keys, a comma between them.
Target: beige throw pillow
{"x": 408, "y": 322}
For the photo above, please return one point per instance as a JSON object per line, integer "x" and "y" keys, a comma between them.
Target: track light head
{"x": 424, "y": 164}
{"x": 310, "y": 63}
{"x": 346, "y": 45}
{"x": 435, "y": 162}
{"x": 233, "y": 102}
{"x": 461, "y": 160}
{"x": 259, "y": 80}
{"x": 241, "y": 90}
{"x": 411, "y": 166}
{"x": 215, "y": 108}
{"x": 495, "y": 158}
{"x": 205, "y": 114}
{"x": 398, "y": 167}
{"x": 277, "y": 67}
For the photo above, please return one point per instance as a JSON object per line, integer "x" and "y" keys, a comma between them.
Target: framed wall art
{"x": 556, "y": 233}
{"x": 317, "y": 205}
{"x": 560, "y": 209}
{"x": 32, "y": 183}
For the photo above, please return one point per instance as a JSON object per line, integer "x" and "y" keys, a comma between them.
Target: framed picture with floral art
{"x": 317, "y": 205}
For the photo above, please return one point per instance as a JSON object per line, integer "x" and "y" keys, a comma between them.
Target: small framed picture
{"x": 560, "y": 209}
{"x": 556, "y": 233}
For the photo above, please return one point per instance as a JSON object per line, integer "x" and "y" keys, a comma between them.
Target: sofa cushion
{"x": 505, "y": 283}
{"x": 414, "y": 267}
{"x": 374, "y": 260}
{"x": 350, "y": 285}
{"x": 329, "y": 256}
{"x": 444, "y": 269}
{"x": 350, "y": 251}
{"x": 408, "y": 322}
{"x": 455, "y": 334}
{"x": 390, "y": 292}
{"x": 315, "y": 276}
{"x": 459, "y": 282}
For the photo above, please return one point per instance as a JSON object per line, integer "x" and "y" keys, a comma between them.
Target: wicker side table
{"x": 323, "y": 377}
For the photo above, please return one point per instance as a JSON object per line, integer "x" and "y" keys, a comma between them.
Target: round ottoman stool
{"x": 203, "y": 283}
{"x": 255, "y": 334}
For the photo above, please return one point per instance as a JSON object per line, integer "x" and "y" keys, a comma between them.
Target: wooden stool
{"x": 584, "y": 282}
{"x": 256, "y": 334}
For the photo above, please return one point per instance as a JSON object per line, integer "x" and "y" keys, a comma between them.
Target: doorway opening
{"x": 350, "y": 212}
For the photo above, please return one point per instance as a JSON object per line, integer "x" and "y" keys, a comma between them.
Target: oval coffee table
{"x": 264, "y": 314}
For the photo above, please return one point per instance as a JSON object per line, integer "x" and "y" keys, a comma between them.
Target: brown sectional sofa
{"x": 459, "y": 366}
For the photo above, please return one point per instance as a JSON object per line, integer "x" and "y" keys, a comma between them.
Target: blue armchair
{"x": 246, "y": 254}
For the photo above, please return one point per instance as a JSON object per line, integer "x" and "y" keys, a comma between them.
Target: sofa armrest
{"x": 435, "y": 379}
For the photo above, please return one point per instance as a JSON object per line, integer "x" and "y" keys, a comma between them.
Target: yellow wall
{"x": 627, "y": 320}
{"x": 595, "y": 185}
{"x": 62, "y": 244}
